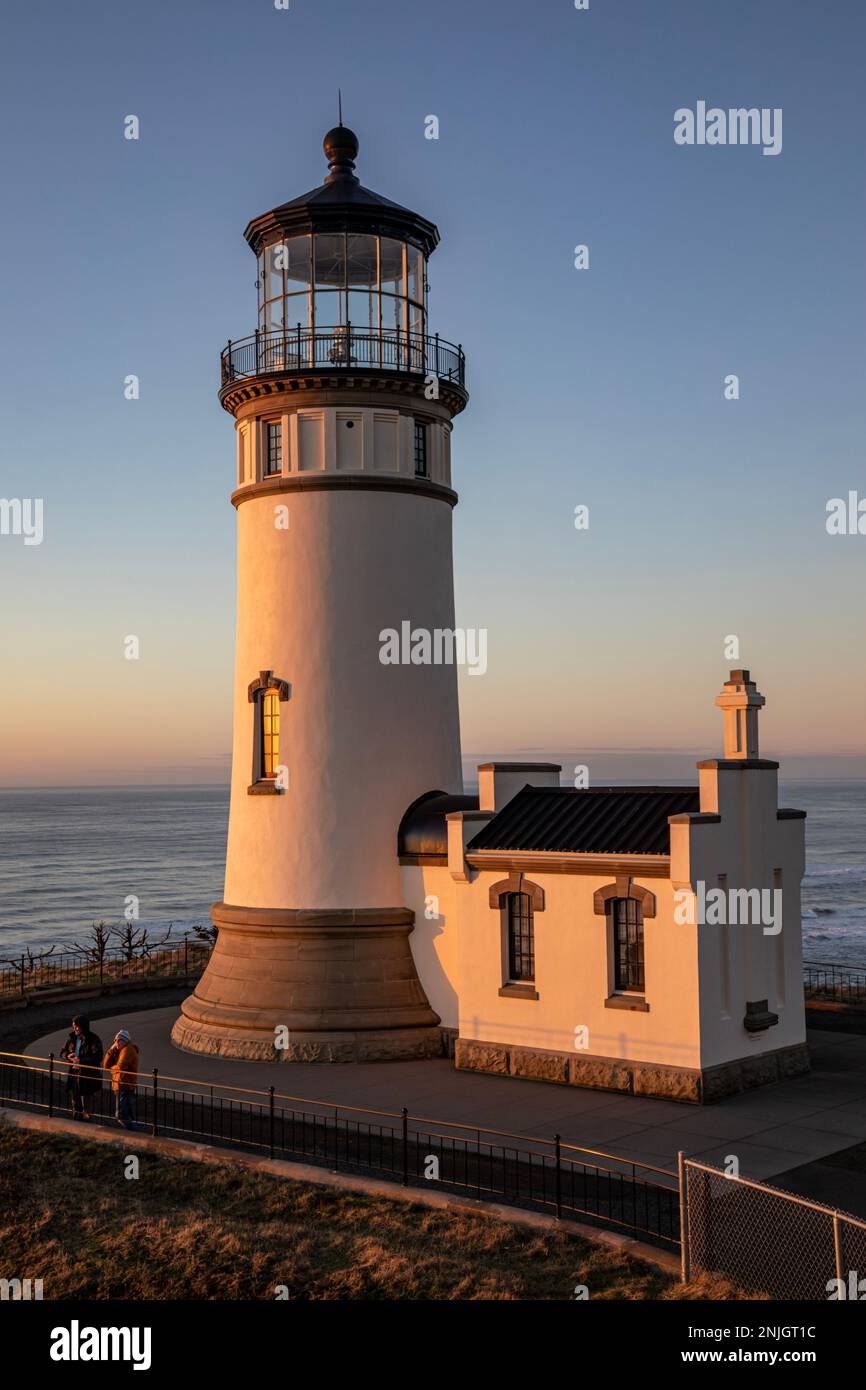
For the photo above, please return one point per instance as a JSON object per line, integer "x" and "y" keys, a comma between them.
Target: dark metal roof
{"x": 423, "y": 829}
{"x": 603, "y": 820}
{"x": 341, "y": 204}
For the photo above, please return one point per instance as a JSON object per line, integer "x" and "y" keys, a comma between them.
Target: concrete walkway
{"x": 770, "y": 1130}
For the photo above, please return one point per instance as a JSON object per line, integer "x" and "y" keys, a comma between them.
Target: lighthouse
{"x": 343, "y": 402}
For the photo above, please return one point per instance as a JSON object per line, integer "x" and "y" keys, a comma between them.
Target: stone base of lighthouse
{"x": 310, "y": 986}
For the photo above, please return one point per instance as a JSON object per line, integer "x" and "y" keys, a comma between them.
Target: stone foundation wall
{"x": 688, "y": 1084}
{"x": 394, "y": 1045}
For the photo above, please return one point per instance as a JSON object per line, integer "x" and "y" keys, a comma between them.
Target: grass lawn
{"x": 185, "y": 1230}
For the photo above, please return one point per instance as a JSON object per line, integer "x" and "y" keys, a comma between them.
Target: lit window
{"x": 420, "y": 450}
{"x": 521, "y": 938}
{"x": 270, "y": 732}
{"x": 273, "y": 447}
{"x": 627, "y": 945}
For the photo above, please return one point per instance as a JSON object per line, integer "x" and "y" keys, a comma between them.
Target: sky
{"x": 602, "y": 387}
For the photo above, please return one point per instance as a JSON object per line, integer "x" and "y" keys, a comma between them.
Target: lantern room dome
{"x": 342, "y": 204}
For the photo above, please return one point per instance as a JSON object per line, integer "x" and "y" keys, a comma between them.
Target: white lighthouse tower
{"x": 343, "y": 403}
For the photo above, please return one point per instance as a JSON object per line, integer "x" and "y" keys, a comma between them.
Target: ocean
{"x": 834, "y": 888}
{"x": 73, "y": 856}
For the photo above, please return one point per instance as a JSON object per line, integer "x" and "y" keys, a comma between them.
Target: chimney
{"x": 740, "y": 701}
{"x": 499, "y": 782}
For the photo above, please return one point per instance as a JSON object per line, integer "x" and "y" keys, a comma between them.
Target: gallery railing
{"x": 520, "y": 1170}
{"x": 300, "y": 349}
{"x": 840, "y": 984}
{"x": 29, "y": 973}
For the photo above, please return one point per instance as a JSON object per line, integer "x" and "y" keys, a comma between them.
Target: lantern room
{"x": 325, "y": 280}
{"x": 341, "y": 281}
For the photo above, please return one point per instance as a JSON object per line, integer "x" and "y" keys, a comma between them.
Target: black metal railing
{"x": 839, "y": 984}
{"x": 519, "y": 1170}
{"x": 27, "y": 973}
{"x": 302, "y": 349}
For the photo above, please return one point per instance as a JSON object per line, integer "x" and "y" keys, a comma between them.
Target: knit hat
{"x": 122, "y": 1036}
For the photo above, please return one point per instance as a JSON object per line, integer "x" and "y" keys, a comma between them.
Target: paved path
{"x": 771, "y": 1130}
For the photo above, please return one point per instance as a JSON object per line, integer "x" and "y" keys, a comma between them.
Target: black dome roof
{"x": 341, "y": 203}
{"x": 424, "y": 829}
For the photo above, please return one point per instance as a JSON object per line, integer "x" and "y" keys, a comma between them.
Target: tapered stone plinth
{"x": 310, "y": 986}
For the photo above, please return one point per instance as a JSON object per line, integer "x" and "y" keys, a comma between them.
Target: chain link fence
{"x": 765, "y": 1240}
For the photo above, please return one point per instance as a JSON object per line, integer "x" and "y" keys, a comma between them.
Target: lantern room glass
{"x": 326, "y": 280}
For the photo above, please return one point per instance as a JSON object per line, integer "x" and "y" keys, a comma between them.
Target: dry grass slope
{"x": 185, "y": 1231}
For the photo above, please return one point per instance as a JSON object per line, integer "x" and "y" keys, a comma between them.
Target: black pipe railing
{"x": 839, "y": 984}
{"x": 303, "y": 349}
{"x": 520, "y": 1170}
{"x": 27, "y": 974}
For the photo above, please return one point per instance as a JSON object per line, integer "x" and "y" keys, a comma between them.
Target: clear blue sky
{"x": 602, "y": 387}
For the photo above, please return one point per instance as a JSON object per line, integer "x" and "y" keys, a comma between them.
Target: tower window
{"x": 627, "y": 945}
{"x": 266, "y": 694}
{"x": 273, "y": 447}
{"x": 270, "y": 732}
{"x": 420, "y": 450}
{"x": 521, "y": 938}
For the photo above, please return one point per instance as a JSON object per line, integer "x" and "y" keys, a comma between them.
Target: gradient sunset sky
{"x": 601, "y": 387}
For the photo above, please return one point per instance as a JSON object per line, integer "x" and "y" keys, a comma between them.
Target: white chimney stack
{"x": 740, "y": 701}
{"x": 498, "y": 783}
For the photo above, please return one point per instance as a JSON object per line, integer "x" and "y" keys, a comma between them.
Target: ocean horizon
{"x": 74, "y": 856}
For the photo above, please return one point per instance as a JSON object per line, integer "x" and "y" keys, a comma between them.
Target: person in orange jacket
{"x": 121, "y": 1060}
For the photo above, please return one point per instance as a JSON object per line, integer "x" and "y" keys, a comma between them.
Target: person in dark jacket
{"x": 83, "y": 1051}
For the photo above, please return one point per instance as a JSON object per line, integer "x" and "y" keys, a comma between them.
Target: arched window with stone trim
{"x": 521, "y": 938}
{"x": 266, "y": 694}
{"x": 628, "y": 962}
{"x": 625, "y": 905}
{"x": 270, "y": 733}
{"x": 517, "y": 900}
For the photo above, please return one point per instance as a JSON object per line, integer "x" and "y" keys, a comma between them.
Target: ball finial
{"x": 341, "y": 148}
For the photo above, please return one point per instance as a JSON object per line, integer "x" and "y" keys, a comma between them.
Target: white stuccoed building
{"x": 371, "y": 909}
{"x": 639, "y": 939}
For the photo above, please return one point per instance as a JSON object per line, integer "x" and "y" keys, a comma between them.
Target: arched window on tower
{"x": 270, "y": 733}
{"x": 266, "y": 694}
